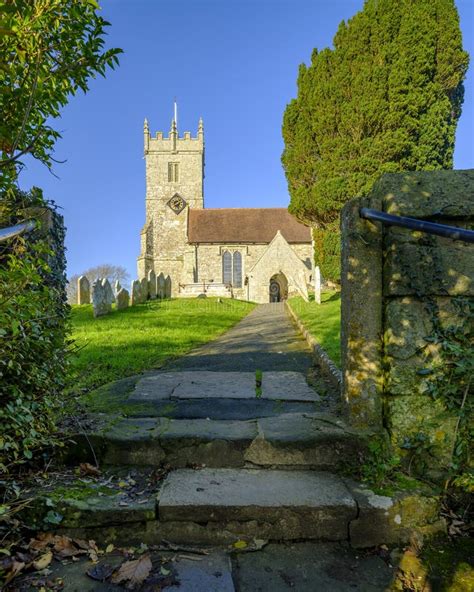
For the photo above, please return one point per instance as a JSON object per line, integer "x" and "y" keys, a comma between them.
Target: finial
{"x": 174, "y": 127}
{"x": 176, "y": 112}
{"x": 145, "y": 125}
{"x": 201, "y": 125}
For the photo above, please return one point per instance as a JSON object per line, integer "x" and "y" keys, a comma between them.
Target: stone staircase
{"x": 267, "y": 468}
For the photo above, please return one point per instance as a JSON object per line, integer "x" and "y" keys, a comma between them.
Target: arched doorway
{"x": 278, "y": 289}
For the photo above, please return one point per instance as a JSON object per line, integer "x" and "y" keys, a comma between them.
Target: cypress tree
{"x": 386, "y": 98}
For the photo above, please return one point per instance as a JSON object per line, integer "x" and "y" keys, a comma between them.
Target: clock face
{"x": 177, "y": 203}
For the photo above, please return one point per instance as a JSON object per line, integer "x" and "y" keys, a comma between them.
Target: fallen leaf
{"x": 43, "y": 561}
{"x": 240, "y": 544}
{"x": 109, "y": 548}
{"x": 15, "y": 569}
{"x": 81, "y": 543}
{"x": 122, "y": 484}
{"x": 64, "y": 547}
{"x": 100, "y": 572}
{"x": 41, "y": 541}
{"x": 164, "y": 571}
{"x": 133, "y": 572}
{"x": 88, "y": 469}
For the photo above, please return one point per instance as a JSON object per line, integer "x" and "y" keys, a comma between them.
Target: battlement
{"x": 173, "y": 142}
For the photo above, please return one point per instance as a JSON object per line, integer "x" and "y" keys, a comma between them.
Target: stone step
{"x": 240, "y": 508}
{"x": 272, "y": 504}
{"x": 294, "y": 440}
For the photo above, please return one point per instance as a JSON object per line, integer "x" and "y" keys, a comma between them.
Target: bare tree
{"x": 105, "y": 270}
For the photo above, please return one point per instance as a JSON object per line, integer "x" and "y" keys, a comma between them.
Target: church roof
{"x": 244, "y": 225}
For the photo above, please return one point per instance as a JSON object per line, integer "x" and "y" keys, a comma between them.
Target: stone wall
{"x": 405, "y": 297}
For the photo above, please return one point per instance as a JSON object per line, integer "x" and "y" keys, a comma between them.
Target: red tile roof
{"x": 244, "y": 225}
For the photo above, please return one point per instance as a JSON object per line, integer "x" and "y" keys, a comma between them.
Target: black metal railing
{"x": 12, "y": 231}
{"x": 452, "y": 232}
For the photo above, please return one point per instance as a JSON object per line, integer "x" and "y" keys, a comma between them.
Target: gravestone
{"x": 136, "y": 297}
{"x": 144, "y": 289}
{"x": 317, "y": 285}
{"x": 108, "y": 291}
{"x": 167, "y": 287}
{"x": 123, "y": 299}
{"x": 117, "y": 287}
{"x": 160, "y": 282}
{"x": 100, "y": 301}
{"x": 152, "y": 284}
{"x": 83, "y": 290}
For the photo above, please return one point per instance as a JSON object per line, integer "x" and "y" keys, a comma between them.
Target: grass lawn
{"x": 145, "y": 336}
{"x": 323, "y": 321}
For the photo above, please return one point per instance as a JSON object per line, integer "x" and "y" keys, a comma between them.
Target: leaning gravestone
{"x": 152, "y": 284}
{"x": 83, "y": 290}
{"x": 144, "y": 289}
{"x": 100, "y": 300}
{"x": 136, "y": 297}
{"x": 123, "y": 299}
{"x": 160, "y": 282}
{"x": 108, "y": 291}
{"x": 167, "y": 287}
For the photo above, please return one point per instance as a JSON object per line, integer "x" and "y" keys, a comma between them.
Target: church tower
{"x": 174, "y": 184}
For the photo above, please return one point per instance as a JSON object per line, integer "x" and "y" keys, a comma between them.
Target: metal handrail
{"x": 452, "y": 232}
{"x": 12, "y": 231}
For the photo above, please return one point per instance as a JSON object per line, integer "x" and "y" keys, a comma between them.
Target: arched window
{"x": 227, "y": 267}
{"x": 237, "y": 270}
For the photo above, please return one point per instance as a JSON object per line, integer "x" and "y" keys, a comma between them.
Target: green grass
{"x": 142, "y": 337}
{"x": 323, "y": 321}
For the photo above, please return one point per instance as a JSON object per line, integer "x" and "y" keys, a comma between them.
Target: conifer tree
{"x": 386, "y": 98}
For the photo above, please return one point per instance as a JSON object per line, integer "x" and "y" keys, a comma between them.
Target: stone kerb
{"x": 152, "y": 285}
{"x": 123, "y": 299}
{"x": 167, "y": 287}
{"x": 101, "y": 303}
{"x": 83, "y": 290}
{"x": 160, "y": 286}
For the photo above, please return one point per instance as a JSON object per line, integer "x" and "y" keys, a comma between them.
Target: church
{"x": 257, "y": 254}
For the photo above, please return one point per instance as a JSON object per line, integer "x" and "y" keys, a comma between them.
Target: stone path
{"x": 264, "y": 340}
{"x": 254, "y": 457}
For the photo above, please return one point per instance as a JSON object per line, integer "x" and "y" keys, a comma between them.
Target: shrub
{"x": 33, "y": 327}
{"x": 327, "y": 251}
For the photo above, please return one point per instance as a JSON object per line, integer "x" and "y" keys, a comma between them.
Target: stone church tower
{"x": 259, "y": 254}
{"x": 174, "y": 183}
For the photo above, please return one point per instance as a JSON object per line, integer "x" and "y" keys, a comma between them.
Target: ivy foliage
{"x": 49, "y": 49}
{"x": 386, "y": 98}
{"x": 33, "y": 327}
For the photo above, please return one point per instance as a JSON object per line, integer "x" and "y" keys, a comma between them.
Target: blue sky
{"x": 233, "y": 62}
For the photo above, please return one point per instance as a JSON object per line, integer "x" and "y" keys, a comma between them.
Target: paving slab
{"x": 193, "y": 573}
{"x": 231, "y": 409}
{"x": 205, "y": 384}
{"x": 246, "y": 494}
{"x": 311, "y": 567}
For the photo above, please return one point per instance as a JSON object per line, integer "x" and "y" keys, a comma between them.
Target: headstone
{"x": 83, "y": 290}
{"x": 117, "y": 287}
{"x": 152, "y": 284}
{"x": 136, "y": 297}
{"x": 161, "y": 286}
{"x": 108, "y": 291}
{"x": 167, "y": 287}
{"x": 317, "y": 284}
{"x": 123, "y": 298}
{"x": 100, "y": 301}
{"x": 144, "y": 289}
